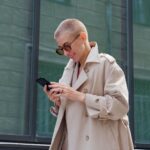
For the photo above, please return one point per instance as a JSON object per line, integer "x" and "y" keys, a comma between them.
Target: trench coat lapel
{"x": 66, "y": 79}
{"x": 68, "y": 75}
{"x": 92, "y": 58}
{"x": 81, "y": 79}
{"x": 68, "y": 72}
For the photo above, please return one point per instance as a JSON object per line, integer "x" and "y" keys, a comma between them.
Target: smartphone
{"x": 43, "y": 82}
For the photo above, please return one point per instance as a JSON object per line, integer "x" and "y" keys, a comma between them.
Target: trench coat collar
{"x": 93, "y": 55}
{"x": 92, "y": 58}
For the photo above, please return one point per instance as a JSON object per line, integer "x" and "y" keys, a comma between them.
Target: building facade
{"x": 27, "y": 51}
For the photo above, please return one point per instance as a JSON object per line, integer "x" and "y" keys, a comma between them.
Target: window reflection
{"x": 141, "y": 28}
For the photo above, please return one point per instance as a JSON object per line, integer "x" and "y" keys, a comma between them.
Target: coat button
{"x": 97, "y": 100}
{"x": 87, "y": 138}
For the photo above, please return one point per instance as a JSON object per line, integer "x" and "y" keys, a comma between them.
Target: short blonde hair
{"x": 72, "y": 26}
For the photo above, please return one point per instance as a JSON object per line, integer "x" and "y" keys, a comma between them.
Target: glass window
{"x": 105, "y": 24}
{"x": 141, "y": 28}
{"x": 141, "y": 12}
{"x": 15, "y": 38}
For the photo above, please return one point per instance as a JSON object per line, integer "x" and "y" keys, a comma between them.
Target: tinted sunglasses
{"x": 66, "y": 46}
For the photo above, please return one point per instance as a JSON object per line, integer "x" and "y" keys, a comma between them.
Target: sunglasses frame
{"x": 66, "y": 46}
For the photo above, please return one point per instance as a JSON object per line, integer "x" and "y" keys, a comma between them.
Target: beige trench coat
{"x": 106, "y": 106}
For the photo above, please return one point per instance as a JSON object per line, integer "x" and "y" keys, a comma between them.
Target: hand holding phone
{"x": 43, "y": 82}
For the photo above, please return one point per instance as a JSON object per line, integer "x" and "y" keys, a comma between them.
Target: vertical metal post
{"x": 27, "y": 88}
{"x": 130, "y": 68}
{"x": 34, "y": 65}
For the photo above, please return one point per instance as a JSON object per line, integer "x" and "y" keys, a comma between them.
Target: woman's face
{"x": 72, "y": 47}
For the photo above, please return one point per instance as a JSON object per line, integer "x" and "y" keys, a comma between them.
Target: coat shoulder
{"x": 107, "y": 57}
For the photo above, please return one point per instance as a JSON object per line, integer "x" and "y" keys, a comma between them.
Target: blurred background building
{"x": 27, "y": 51}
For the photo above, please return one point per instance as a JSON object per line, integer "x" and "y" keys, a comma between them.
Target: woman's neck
{"x": 84, "y": 57}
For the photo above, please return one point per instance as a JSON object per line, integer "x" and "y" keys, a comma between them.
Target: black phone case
{"x": 43, "y": 82}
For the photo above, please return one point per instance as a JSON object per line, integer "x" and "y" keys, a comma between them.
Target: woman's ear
{"x": 83, "y": 35}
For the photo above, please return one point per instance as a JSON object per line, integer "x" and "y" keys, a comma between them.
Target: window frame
{"x": 130, "y": 80}
{"x": 64, "y": 2}
{"x": 130, "y": 73}
{"x": 31, "y": 99}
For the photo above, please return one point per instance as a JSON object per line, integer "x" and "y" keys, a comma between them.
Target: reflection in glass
{"x": 141, "y": 27}
{"x": 15, "y": 34}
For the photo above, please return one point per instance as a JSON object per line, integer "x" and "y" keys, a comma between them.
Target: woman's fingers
{"x": 59, "y": 89}
{"x": 57, "y": 85}
{"x": 45, "y": 89}
{"x": 58, "y": 102}
{"x": 56, "y": 91}
{"x": 54, "y": 94}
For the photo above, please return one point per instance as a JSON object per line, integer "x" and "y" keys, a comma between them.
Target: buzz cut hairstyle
{"x": 72, "y": 26}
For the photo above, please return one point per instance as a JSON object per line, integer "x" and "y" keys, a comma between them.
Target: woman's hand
{"x": 67, "y": 92}
{"x": 53, "y": 96}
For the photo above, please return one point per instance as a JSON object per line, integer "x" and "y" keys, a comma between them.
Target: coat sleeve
{"x": 114, "y": 104}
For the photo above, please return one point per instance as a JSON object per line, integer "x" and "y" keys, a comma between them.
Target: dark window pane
{"x": 141, "y": 12}
{"x": 15, "y": 34}
{"x": 45, "y": 121}
{"x": 141, "y": 28}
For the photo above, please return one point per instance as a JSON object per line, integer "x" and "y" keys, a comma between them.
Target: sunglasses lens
{"x": 67, "y": 47}
{"x": 59, "y": 51}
